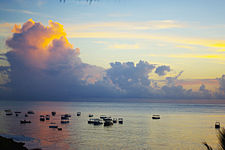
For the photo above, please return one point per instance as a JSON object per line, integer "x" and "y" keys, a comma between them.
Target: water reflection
{"x": 180, "y": 127}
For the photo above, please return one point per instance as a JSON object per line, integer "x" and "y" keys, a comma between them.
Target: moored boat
{"x": 53, "y": 113}
{"x": 217, "y": 125}
{"x": 155, "y": 116}
{"x": 78, "y": 113}
{"x": 52, "y": 126}
{"x": 25, "y": 121}
{"x": 108, "y": 121}
{"x": 47, "y": 117}
{"x": 30, "y": 112}
{"x": 64, "y": 117}
{"x": 60, "y": 129}
{"x": 42, "y": 118}
{"x": 65, "y": 121}
{"x": 8, "y": 113}
{"x": 120, "y": 120}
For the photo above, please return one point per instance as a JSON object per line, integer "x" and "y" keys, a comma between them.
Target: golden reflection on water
{"x": 184, "y": 131}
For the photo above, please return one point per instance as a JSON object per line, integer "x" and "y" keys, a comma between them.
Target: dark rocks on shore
{"x": 9, "y": 144}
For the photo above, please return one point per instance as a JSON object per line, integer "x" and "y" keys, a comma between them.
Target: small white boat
{"x": 114, "y": 120}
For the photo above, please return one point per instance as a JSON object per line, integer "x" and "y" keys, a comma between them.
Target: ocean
{"x": 181, "y": 126}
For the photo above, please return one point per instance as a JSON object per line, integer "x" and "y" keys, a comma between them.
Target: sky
{"x": 112, "y": 48}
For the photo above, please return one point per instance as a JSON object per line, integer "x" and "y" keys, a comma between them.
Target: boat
{"x": 155, "y": 116}
{"x": 64, "y": 117}
{"x": 91, "y": 121}
{"x": 60, "y": 129}
{"x": 53, "y": 113}
{"x": 120, "y": 120}
{"x": 114, "y": 120}
{"x": 25, "y": 121}
{"x": 52, "y": 126}
{"x": 108, "y": 122}
{"x": 26, "y": 115}
{"x": 78, "y": 113}
{"x": 65, "y": 121}
{"x": 217, "y": 125}
{"x": 95, "y": 121}
{"x": 90, "y": 115}
{"x": 30, "y": 112}
{"x": 42, "y": 118}
{"x": 17, "y": 112}
{"x": 8, "y": 113}
{"x": 67, "y": 115}
{"x": 47, "y": 117}
{"x": 103, "y": 117}
{"x": 7, "y": 110}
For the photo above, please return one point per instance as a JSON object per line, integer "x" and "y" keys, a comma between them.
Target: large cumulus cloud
{"x": 45, "y": 66}
{"x": 132, "y": 80}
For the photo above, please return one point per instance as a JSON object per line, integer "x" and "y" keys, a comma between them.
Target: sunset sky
{"x": 186, "y": 37}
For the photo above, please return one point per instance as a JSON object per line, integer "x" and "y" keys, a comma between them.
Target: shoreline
{"x": 10, "y": 144}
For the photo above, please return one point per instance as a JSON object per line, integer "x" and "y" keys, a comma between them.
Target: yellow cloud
{"x": 209, "y": 56}
{"x": 162, "y": 38}
{"x": 221, "y": 50}
{"x": 184, "y": 46}
{"x": 125, "y": 46}
{"x": 125, "y": 26}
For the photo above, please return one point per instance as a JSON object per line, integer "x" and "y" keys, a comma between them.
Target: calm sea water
{"x": 181, "y": 127}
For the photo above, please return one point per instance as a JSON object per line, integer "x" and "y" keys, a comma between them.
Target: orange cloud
{"x": 39, "y": 43}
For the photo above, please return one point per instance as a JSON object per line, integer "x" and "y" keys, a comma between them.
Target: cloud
{"x": 171, "y": 81}
{"x": 204, "y": 92}
{"x": 211, "y": 43}
{"x": 222, "y": 84}
{"x": 184, "y": 46}
{"x": 5, "y": 29}
{"x": 132, "y": 80}
{"x": 43, "y": 65}
{"x": 19, "y": 11}
{"x": 127, "y": 26}
{"x": 161, "y": 70}
{"x": 125, "y": 46}
{"x": 43, "y": 61}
